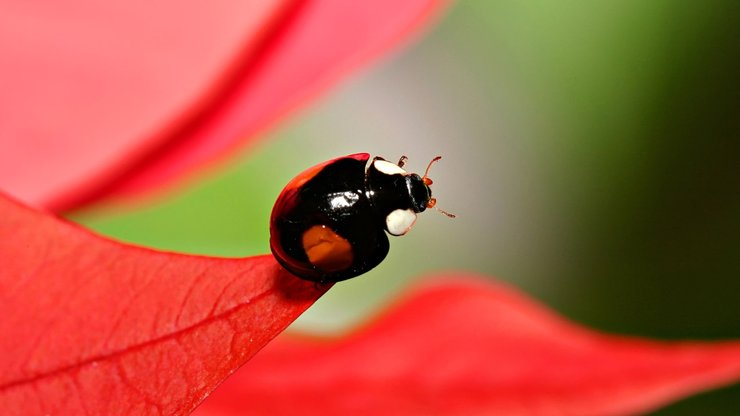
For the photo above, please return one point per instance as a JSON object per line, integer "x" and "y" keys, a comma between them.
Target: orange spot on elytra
{"x": 326, "y": 249}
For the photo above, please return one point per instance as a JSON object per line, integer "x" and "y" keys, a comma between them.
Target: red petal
{"x": 472, "y": 347}
{"x": 116, "y": 99}
{"x": 324, "y": 40}
{"x": 89, "y": 88}
{"x": 91, "y": 326}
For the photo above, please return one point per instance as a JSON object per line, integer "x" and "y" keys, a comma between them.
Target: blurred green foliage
{"x": 594, "y": 159}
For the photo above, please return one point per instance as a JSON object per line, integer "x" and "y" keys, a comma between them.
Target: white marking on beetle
{"x": 400, "y": 221}
{"x": 388, "y": 168}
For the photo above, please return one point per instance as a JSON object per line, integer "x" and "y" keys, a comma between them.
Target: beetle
{"x": 329, "y": 223}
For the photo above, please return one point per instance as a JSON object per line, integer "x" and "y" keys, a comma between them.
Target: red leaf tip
{"x": 95, "y": 326}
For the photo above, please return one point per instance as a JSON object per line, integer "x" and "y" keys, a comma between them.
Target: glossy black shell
{"x": 341, "y": 195}
{"x": 311, "y": 203}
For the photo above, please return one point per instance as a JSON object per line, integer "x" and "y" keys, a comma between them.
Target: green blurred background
{"x": 591, "y": 152}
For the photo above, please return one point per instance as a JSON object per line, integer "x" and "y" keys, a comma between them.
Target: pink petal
{"x": 116, "y": 98}
{"x": 91, "y": 326}
{"x": 472, "y": 347}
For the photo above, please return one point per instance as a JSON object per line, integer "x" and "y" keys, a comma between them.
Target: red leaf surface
{"x": 115, "y": 98}
{"x": 472, "y": 347}
{"x": 92, "y": 326}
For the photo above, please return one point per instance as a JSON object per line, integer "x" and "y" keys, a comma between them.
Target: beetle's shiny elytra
{"x": 330, "y": 222}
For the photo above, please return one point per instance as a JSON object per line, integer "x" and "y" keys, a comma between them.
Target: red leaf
{"x": 91, "y": 326}
{"x": 115, "y": 98}
{"x": 472, "y": 347}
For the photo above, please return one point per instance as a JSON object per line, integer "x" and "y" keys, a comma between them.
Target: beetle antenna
{"x": 433, "y": 204}
{"x": 429, "y": 166}
{"x": 433, "y": 201}
{"x": 450, "y": 215}
{"x": 427, "y": 181}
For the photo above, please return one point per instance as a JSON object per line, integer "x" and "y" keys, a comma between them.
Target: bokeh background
{"x": 591, "y": 152}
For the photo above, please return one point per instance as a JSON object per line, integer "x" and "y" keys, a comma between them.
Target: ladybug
{"x": 329, "y": 223}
